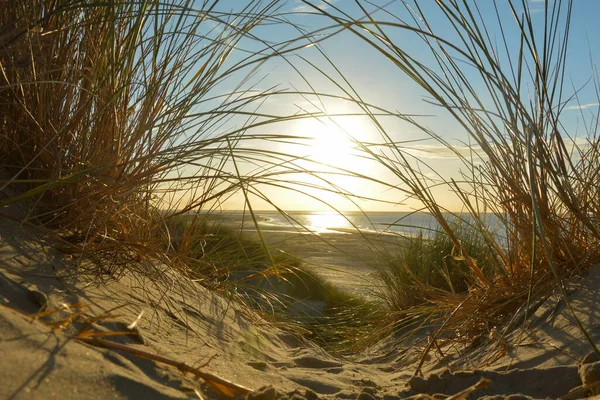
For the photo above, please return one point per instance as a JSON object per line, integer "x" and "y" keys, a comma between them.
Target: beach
{"x": 299, "y": 200}
{"x": 345, "y": 257}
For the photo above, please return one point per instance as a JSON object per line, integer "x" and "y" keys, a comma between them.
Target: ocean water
{"x": 404, "y": 223}
{"x": 331, "y": 222}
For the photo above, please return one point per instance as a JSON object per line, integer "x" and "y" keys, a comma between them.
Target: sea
{"x": 311, "y": 222}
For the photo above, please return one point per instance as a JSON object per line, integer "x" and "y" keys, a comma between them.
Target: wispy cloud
{"x": 536, "y": 6}
{"x": 433, "y": 151}
{"x": 300, "y": 7}
{"x": 441, "y": 152}
{"x": 583, "y": 106}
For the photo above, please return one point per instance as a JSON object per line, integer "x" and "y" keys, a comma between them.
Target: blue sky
{"x": 379, "y": 82}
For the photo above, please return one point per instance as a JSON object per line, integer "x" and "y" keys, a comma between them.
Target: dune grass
{"x": 102, "y": 113}
{"x": 430, "y": 263}
{"x": 521, "y": 165}
{"x": 114, "y": 112}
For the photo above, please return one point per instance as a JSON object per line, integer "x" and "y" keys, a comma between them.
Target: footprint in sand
{"x": 316, "y": 386}
{"x": 314, "y": 362}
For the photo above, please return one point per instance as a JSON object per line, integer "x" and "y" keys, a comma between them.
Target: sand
{"x": 347, "y": 259}
{"x": 185, "y": 323}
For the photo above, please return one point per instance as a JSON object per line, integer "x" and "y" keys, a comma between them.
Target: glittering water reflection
{"x": 323, "y": 222}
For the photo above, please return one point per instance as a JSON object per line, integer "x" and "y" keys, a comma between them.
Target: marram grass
{"x": 523, "y": 166}
{"x": 113, "y": 112}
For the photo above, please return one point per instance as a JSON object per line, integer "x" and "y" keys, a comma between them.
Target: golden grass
{"x": 110, "y": 111}
{"x": 522, "y": 167}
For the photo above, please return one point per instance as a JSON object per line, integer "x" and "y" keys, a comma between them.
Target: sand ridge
{"x": 191, "y": 324}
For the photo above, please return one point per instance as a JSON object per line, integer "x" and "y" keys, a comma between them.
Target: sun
{"x": 329, "y": 145}
{"x": 337, "y": 173}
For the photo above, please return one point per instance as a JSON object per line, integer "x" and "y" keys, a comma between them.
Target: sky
{"x": 334, "y": 143}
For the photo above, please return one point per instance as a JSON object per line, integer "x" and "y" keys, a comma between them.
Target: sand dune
{"x": 185, "y": 323}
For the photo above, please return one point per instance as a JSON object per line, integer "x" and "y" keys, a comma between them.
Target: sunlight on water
{"x": 322, "y": 222}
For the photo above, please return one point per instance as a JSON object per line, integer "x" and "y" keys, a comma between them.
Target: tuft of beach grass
{"x": 112, "y": 129}
{"x": 521, "y": 166}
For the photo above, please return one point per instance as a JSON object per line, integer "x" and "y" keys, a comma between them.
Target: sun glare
{"x": 327, "y": 221}
{"x": 329, "y": 144}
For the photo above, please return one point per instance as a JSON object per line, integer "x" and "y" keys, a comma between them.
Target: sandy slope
{"x": 347, "y": 259}
{"x": 184, "y": 322}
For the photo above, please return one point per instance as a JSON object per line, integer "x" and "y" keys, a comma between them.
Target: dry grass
{"x": 112, "y": 112}
{"x": 523, "y": 167}
{"x": 96, "y": 113}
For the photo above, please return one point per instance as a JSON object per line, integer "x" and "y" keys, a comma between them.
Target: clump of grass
{"x": 520, "y": 164}
{"x": 99, "y": 112}
{"x": 431, "y": 263}
{"x": 112, "y": 112}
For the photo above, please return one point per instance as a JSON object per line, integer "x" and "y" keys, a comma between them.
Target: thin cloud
{"x": 583, "y": 106}
{"x": 304, "y": 8}
{"x": 536, "y": 6}
{"x": 442, "y": 152}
